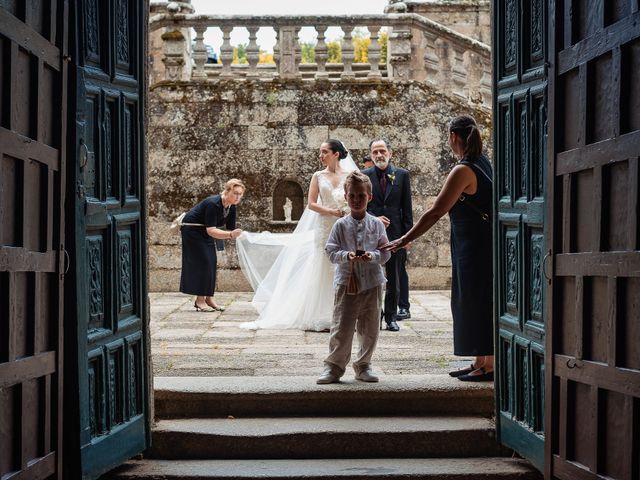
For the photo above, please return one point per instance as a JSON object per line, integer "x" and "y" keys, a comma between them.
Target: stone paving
{"x": 189, "y": 343}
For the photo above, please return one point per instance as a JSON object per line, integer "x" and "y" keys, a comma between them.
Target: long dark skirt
{"x": 472, "y": 288}
{"x": 198, "y": 262}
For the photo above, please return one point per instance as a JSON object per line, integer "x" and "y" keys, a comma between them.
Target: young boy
{"x": 354, "y": 245}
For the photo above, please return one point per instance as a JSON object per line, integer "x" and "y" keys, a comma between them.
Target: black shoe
{"x": 483, "y": 377}
{"x": 463, "y": 371}
{"x": 403, "y": 314}
{"x": 392, "y": 326}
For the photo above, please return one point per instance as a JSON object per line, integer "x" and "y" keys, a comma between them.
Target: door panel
{"x": 33, "y": 122}
{"x": 593, "y": 342}
{"x": 110, "y": 288}
{"x": 519, "y": 195}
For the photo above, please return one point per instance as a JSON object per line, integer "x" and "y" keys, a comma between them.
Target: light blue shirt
{"x": 349, "y": 235}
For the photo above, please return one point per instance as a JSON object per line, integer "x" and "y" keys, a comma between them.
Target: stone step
{"x": 343, "y": 437}
{"x": 401, "y": 395}
{"x": 485, "y": 468}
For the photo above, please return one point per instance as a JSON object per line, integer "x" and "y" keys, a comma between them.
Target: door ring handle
{"x": 84, "y": 154}
{"x": 544, "y": 266}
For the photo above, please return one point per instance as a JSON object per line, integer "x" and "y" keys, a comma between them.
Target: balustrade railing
{"x": 417, "y": 49}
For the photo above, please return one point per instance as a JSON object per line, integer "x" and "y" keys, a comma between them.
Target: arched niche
{"x": 287, "y": 197}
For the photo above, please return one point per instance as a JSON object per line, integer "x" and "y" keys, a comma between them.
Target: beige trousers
{"x": 359, "y": 313}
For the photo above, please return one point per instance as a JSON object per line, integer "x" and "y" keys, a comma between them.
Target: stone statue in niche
{"x": 288, "y": 202}
{"x": 288, "y": 207}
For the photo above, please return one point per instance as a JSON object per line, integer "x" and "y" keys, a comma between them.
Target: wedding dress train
{"x": 296, "y": 290}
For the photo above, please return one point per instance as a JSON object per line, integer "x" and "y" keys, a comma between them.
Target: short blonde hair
{"x": 233, "y": 183}
{"x": 357, "y": 177}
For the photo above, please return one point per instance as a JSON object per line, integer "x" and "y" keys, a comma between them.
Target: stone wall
{"x": 268, "y": 133}
{"x": 468, "y": 17}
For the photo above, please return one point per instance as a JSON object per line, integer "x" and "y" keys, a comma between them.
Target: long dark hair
{"x": 466, "y": 128}
{"x": 336, "y": 146}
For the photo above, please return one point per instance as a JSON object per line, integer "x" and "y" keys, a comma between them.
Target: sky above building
{"x": 266, "y": 36}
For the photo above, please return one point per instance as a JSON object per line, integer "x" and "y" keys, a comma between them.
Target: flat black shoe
{"x": 403, "y": 314}
{"x": 392, "y": 326}
{"x": 483, "y": 377}
{"x": 462, "y": 371}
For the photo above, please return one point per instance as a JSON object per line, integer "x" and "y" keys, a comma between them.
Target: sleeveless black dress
{"x": 472, "y": 267}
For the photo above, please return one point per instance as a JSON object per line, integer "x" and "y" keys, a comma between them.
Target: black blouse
{"x": 211, "y": 213}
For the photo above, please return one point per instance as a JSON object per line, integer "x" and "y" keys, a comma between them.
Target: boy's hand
{"x": 367, "y": 257}
{"x": 353, "y": 257}
{"x": 385, "y": 221}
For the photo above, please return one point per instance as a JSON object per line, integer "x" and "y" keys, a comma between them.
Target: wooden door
{"x": 593, "y": 341}
{"x": 33, "y": 85}
{"x": 520, "y": 122}
{"x": 108, "y": 304}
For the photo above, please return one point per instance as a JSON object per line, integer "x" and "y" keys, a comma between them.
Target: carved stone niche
{"x": 288, "y": 201}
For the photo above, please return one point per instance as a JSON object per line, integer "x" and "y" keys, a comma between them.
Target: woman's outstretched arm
{"x": 460, "y": 179}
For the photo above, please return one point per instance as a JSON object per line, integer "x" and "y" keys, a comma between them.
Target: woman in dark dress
{"x": 198, "y": 245}
{"x": 467, "y": 197}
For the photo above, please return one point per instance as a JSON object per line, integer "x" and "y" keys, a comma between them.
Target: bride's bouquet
{"x": 341, "y": 202}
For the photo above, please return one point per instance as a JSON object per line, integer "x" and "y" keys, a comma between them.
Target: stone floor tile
{"x": 189, "y": 343}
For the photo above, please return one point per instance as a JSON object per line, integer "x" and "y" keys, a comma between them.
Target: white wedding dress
{"x": 296, "y": 290}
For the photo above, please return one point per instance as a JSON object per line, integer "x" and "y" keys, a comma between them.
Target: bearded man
{"x": 392, "y": 204}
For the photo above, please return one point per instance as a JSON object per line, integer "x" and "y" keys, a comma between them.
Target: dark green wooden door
{"x": 107, "y": 186}
{"x": 520, "y": 119}
{"x": 593, "y": 337}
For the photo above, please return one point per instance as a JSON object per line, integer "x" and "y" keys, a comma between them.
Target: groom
{"x": 392, "y": 204}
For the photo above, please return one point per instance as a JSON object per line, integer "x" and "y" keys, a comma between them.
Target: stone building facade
{"x": 268, "y": 134}
{"x": 471, "y": 18}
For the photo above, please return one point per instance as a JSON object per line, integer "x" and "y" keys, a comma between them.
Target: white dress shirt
{"x": 348, "y": 235}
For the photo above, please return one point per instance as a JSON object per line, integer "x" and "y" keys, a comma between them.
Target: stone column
{"x": 374, "y": 53}
{"x": 486, "y": 85}
{"x": 399, "y": 52}
{"x": 253, "y": 52}
{"x": 347, "y": 54}
{"x": 226, "y": 52}
{"x": 173, "y": 49}
{"x": 321, "y": 54}
{"x": 459, "y": 72}
{"x": 431, "y": 60}
{"x": 157, "y": 64}
{"x": 199, "y": 55}
{"x": 474, "y": 77}
{"x": 444, "y": 71}
{"x": 287, "y": 58}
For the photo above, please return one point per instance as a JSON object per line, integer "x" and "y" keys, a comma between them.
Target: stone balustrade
{"x": 418, "y": 49}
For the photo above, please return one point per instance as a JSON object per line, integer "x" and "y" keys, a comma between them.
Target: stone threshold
{"x": 181, "y": 397}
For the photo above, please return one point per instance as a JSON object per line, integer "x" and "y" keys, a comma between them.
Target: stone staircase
{"x": 410, "y": 427}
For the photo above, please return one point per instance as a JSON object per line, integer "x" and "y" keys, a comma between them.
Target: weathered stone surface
{"x": 468, "y": 17}
{"x": 482, "y": 468}
{"x": 200, "y": 135}
{"x": 313, "y": 437}
{"x": 189, "y": 343}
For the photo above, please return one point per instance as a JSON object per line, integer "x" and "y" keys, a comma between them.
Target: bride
{"x": 296, "y": 290}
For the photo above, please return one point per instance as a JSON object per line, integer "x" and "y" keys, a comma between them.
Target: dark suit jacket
{"x": 396, "y": 204}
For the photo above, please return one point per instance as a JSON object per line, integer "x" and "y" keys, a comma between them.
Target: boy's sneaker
{"x": 328, "y": 376}
{"x": 365, "y": 375}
